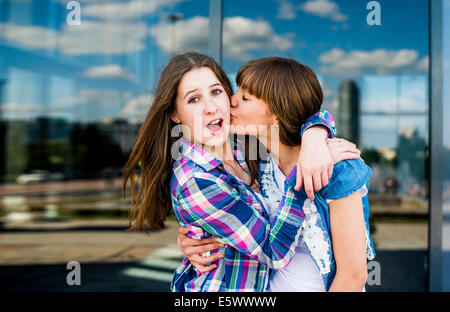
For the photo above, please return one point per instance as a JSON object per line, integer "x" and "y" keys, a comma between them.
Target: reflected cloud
{"x": 112, "y": 71}
{"x": 121, "y": 11}
{"x": 382, "y": 61}
{"x": 325, "y": 9}
{"x": 322, "y": 8}
{"x": 240, "y": 36}
{"x": 34, "y": 37}
{"x": 286, "y": 10}
{"x": 136, "y": 108}
{"x": 102, "y": 38}
{"x": 80, "y": 40}
{"x": 83, "y": 1}
{"x": 190, "y": 33}
{"x": 423, "y": 64}
{"x": 104, "y": 98}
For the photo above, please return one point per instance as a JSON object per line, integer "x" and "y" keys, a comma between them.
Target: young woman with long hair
{"x": 335, "y": 241}
{"x": 206, "y": 180}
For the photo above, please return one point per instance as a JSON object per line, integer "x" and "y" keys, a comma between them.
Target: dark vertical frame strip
{"x": 215, "y": 30}
{"x": 436, "y": 145}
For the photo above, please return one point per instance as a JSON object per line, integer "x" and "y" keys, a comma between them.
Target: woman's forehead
{"x": 198, "y": 78}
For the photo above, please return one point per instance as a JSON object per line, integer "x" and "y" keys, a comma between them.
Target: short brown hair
{"x": 290, "y": 88}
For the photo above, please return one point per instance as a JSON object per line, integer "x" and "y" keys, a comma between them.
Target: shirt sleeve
{"x": 363, "y": 190}
{"x": 212, "y": 204}
{"x": 349, "y": 176}
{"x": 323, "y": 117}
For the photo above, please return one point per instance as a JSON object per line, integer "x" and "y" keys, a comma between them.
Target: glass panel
{"x": 74, "y": 89}
{"x": 380, "y": 71}
{"x": 446, "y": 139}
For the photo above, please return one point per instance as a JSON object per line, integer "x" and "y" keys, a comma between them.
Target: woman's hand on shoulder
{"x": 317, "y": 157}
{"x": 341, "y": 149}
{"x": 193, "y": 248}
{"x": 315, "y": 164}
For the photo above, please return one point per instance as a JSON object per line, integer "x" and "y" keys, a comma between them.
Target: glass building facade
{"x": 77, "y": 78}
{"x": 446, "y": 147}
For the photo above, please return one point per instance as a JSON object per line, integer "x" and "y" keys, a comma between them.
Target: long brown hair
{"x": 152, "y": 150}
{"x": 290, "y": 89}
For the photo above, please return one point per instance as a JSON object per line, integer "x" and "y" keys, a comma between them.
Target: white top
{"x": 302, "y": 273}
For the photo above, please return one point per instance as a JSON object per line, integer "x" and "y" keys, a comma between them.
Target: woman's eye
{"x": 244, "y": 98}
{"x": 194, "y": 100}
{"x": 216, "y": 92}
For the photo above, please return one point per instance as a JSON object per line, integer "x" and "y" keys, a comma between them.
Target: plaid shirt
{"x": 323, "y": 117}
{"x": 209, "y": 201}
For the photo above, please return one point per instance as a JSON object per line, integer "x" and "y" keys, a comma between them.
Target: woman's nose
{"x": 210, "y": 107}
{"x": 234, "y": 101}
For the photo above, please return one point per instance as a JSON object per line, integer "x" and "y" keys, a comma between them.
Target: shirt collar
{"x": 239, "y": 153}
{"x": 291, "y": 178}
{"x": 194, "y": 152}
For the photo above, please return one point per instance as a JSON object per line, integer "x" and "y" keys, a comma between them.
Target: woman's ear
{"x": 275, "y": 121}
{"x": 175, "y": 118}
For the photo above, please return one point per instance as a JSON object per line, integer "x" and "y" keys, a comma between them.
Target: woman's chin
{"x": 216, "y": 140}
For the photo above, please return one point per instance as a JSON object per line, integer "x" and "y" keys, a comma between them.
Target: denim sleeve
{"x": 348, "y": 177}
{"x": 323, "y": 117}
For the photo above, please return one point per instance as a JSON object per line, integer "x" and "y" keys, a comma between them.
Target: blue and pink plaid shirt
{"x": 211, "y": 202}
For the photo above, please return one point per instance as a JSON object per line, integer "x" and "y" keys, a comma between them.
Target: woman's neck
{"x": 224, "y": 152}
{"x": 285, "y": 156}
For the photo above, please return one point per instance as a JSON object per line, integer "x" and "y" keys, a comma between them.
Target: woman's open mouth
{"x": 215, "y": 125}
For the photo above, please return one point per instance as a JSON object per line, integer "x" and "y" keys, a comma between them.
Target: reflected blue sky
{"x": 312, "y": 32}
{"x": 105, "y": 68}
{"x": 389, "y": 63}
{"x": 108, "y": 66}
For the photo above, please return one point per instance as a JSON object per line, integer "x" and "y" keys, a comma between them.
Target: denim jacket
{"x": 348, "y": 177}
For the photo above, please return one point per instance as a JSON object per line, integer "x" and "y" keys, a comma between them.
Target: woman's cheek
{"x": 194, "y": 115}
{"x": 225, "y": 103}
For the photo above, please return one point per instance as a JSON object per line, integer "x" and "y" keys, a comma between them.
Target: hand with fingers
{"x": 193, "y": 249}
{"x": 317, "y": 158}
{"x": 341, "y": 149}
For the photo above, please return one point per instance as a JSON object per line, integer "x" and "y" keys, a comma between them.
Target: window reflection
{"x": 72, "y": 98}
{"x": 69, "y": 81}
{"x": 375, "y": 83}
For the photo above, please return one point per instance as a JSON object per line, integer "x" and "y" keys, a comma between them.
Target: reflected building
{"x": 122, "y": 132}
{"x": 348, "y": 115}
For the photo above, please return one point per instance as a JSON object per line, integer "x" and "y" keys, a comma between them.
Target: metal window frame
{"x": 215, "y": 29}
{"x": 436, "y": 145}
